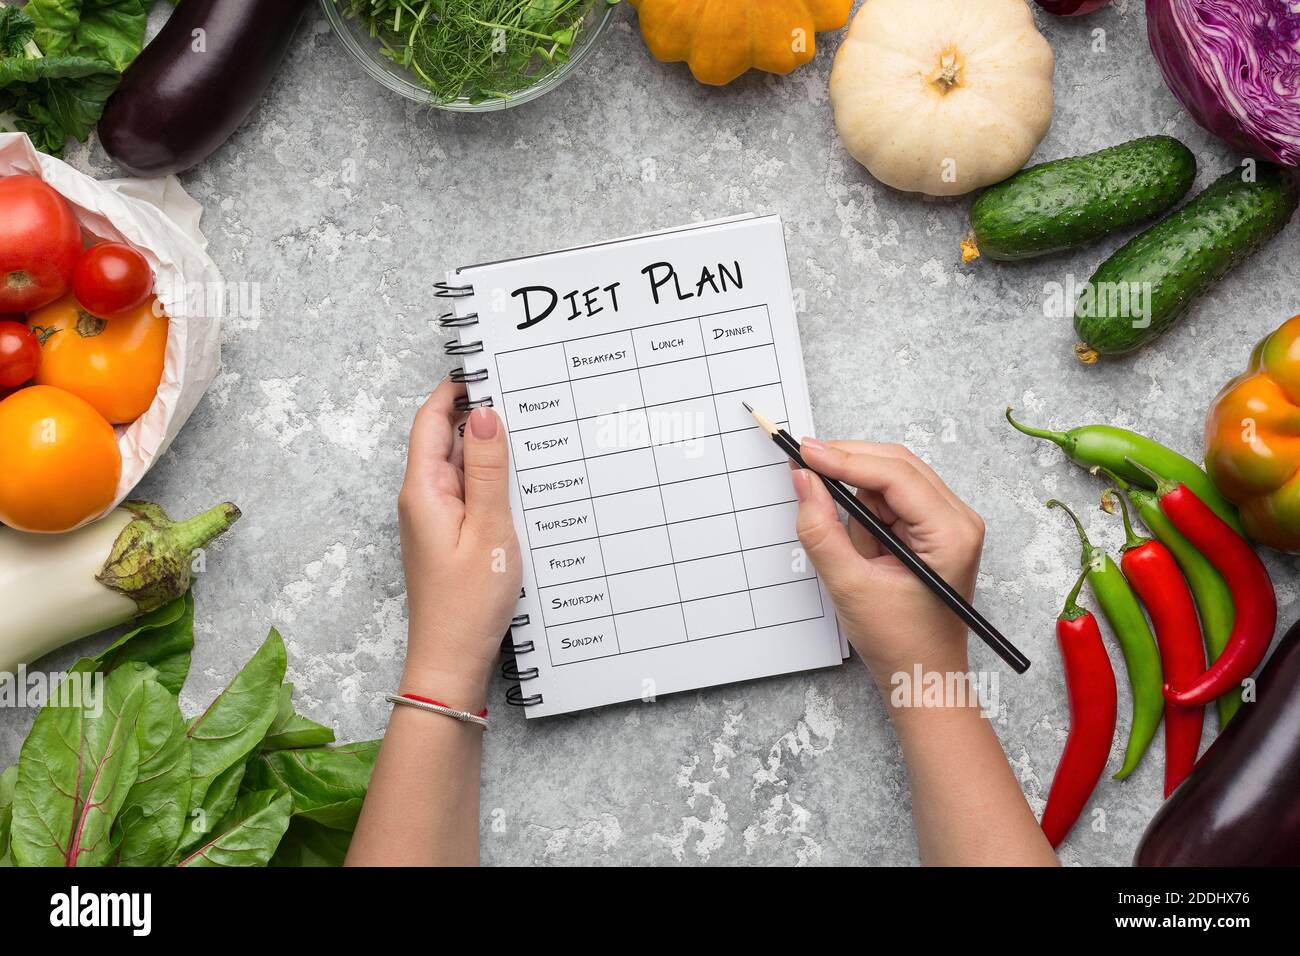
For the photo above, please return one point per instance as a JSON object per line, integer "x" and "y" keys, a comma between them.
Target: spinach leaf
{"x": 327, "y": 783}
{"x": 249, "y": 834}
{"x": 23, "y": 70}
{"x": 52, "y": 111}
{"x": 151, "y": 819}
{"x": 309, "y": 844}
{"x": 108, "y": 30}
{"x": 74, "y": 773}
{"x": 216, "y": 803}
{"x": 7, "y": 781}
{"x": 16, "y": 29}
{"x": 235, "y": 723}
{"x": 163, "y": 639}
{"x": 60, "y": 60}
{"x": 292, "y": 730}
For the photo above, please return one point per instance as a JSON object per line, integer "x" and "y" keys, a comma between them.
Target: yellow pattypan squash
{"x": 721, "y": 39}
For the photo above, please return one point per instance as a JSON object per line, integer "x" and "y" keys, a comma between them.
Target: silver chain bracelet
{"x": 462, "y": 715}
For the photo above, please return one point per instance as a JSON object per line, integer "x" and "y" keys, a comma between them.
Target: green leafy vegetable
{"x": 74, "y": 773}
{"x": 249, "y": 835}
{"x": 232, "y": 727}
{"x": 327, "y": 784}
{"x": 8, "y": 780}
{"x": 475, "y": 49}
{"x": 204, "y": 814}
{"x": 60, "y": 60}
{"x": 151, "y": 819}
{"x": 16, "y": 30}
{"x": 291, "y": 730}
{"x": 307, "y": 843}
{"x": 107, "y": 30}
{"x": 121, "y": 779}
{"x": 163, "y": 639}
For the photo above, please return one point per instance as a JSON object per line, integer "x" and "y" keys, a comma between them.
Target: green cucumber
{"x": 1142, "y": 289}
{"x": 1068, "y": 202}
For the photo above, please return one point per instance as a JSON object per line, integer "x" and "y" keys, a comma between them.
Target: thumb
{"x": 487, "y": 494}
{"x": 824, "y": 538}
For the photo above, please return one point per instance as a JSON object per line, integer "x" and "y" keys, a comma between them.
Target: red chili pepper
{"x": 1252, "y": 593}
{"x": 1091, "y": 686}
{"x": 1154, "y": 574}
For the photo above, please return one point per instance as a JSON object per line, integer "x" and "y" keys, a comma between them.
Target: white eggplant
{"x": 56, "y": 588}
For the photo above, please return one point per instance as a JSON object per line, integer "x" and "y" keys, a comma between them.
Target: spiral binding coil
{"x": 515, "y": 697}
{"x": 510, "y": 671}
{"x": 457, "y": 347}
{"x": 465, "y": 403}
{"x": 462, "y": 375}
{"x": 445, "y": 290}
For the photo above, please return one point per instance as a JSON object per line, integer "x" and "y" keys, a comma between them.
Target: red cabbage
{"x": 1235, "y": 66}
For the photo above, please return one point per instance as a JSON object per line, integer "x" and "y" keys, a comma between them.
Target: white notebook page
{"x": 657, "y": 521}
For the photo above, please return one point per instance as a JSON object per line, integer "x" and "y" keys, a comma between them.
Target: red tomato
{"x": 111, "y": 278}
{"x": 40, "y": 242}
{"x": 20, "y": 354}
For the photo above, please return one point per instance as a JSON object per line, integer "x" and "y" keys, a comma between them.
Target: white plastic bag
{"x": 157, "y": 217}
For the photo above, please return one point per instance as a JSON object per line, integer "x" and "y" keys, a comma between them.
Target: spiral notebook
{"x": 657, "y": 521}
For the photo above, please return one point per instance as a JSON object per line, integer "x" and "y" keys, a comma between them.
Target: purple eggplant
{"x": 190, "y": 88}
{"x": 1241, "y": 805}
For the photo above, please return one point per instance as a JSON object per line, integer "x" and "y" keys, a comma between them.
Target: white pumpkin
{"x": 942, "y": 96}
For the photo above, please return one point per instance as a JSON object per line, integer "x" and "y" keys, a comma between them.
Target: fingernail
{"x": 483, "y": 423}
{"x": 799, "y": 478}
{"x": 809, "y": 442}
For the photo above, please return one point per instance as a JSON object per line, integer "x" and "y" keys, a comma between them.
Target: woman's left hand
{"x": 463, "y": 567}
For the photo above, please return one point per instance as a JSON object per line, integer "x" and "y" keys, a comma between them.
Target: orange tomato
{"x": 60, "y": 460}
{"x": 113, "y": 363}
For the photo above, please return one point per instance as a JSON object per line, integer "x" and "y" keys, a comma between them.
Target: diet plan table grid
{"x": 657, "y": 521}
{"x": 656, "y": 511}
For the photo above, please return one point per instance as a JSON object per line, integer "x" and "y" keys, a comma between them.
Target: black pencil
{"x": 882, "y": 532}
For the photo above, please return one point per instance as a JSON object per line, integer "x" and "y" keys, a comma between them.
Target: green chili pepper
{"x": 1122, "y": 611}
{"x": 1213, "y": 599}
{"x": 1111, "y": 447}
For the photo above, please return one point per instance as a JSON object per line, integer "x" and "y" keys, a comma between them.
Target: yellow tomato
{"x": 61, "y": 461}
{"x": 113, "y": 363}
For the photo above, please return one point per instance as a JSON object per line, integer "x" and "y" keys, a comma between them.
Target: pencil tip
{"x": 763, "y": 423}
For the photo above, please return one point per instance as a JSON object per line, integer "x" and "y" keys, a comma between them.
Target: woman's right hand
{"x": 891, "y": 618}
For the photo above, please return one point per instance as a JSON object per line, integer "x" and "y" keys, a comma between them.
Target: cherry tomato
{"x": 111, "y": 277}
{"x": 20, "y": 354}
{"x": 115, "y": 364}
{"x": 61, "y": 461}
{"x": 40, "y": 242}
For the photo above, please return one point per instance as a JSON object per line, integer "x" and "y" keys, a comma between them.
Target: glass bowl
{"x": 367, "y": 51}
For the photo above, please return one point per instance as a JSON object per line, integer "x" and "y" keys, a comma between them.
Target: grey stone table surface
{"x": 343, "y": 203}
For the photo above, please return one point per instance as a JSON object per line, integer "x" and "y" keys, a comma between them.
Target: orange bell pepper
{"x": 1252, "y": 440}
